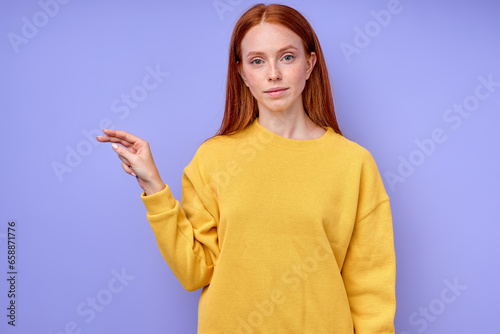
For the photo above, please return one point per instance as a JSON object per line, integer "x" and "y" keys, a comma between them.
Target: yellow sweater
{"x": 283, "y": 235}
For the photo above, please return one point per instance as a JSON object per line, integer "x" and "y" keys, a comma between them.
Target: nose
{"x": 274, "y": 72}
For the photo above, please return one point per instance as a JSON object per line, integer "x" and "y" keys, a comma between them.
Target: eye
{"x": 290, "y": 57}
{"x": 253, "y": 61}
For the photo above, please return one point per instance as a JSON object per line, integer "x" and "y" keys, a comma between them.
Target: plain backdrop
{"x": 416, "y": 82}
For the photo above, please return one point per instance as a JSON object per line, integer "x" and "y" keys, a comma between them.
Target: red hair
{"x": 241, "y": 107}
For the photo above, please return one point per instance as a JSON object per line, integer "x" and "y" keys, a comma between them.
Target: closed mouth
{"x": 277, "y": 89}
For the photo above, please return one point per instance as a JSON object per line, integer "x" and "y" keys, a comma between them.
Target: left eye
{"x": 291, "y": 57}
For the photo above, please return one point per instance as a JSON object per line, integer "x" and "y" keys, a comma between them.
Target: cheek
{"x": 252, "y": 78}
{"x": 297, "y": 78}
{"x": 299, "y": 74}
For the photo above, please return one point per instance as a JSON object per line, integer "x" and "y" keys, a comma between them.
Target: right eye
{"x": 253, "y": 61}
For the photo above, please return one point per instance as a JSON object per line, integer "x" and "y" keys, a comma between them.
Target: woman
{"x": 283, "y": 222}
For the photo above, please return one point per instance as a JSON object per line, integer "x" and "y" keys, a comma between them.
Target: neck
{"x": 290, "y": 125}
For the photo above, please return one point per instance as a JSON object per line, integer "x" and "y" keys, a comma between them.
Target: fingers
{"x": 131, "y": 150}
{"x": 104, "y": 139}
{"x": 125, "y": 155}
{"x": 128, "y": 169}
{"x": 122, "y": 135}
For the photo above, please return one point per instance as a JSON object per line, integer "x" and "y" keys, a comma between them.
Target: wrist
{"x": 154, "y": 187}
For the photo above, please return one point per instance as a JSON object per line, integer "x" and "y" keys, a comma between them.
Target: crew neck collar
{"x": 267, "y": 136}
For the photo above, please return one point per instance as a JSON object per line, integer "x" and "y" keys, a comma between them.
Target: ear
{"x": 240, "y": 71}
{"x": 310, "y": 62}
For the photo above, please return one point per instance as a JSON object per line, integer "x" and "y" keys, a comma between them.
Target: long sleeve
{"x": 369, "y": 269}
{"x": 186, "y": 232}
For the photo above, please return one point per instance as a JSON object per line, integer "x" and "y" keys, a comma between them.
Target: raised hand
{"x": 136, "y": 158}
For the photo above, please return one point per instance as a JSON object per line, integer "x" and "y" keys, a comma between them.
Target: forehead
{"x": 269, "y": 37}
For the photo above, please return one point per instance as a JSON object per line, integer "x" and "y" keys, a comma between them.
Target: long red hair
{"x": 241, "y": 107}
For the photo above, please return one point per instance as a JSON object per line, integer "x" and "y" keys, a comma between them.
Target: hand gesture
{"x": 136, "y": 158}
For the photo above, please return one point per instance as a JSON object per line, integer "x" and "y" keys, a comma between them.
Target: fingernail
{"x": 133, "y": 174}
{"x": 114, "y": 146}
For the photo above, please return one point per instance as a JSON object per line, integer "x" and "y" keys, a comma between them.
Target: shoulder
{"x": 212, "y": 147}
{"x": 359, "y": 160}
{"x": 221, "y": 145}
{"x": 212, "y": 152}
{"x": 350, "y": 151}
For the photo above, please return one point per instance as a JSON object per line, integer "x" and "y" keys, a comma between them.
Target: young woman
{"x": 283, "y": 222}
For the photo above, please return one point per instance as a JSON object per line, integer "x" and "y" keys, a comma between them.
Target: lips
{"x": 276, "y": 92}
{"x": 276, "y": 89}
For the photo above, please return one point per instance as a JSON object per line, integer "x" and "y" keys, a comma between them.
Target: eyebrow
{"x": 251, "y": 53}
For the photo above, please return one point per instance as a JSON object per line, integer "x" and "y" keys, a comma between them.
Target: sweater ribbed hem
{"x": 158, "y": 202}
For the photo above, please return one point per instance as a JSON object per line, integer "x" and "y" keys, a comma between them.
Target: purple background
{"x": 74, "y": 229}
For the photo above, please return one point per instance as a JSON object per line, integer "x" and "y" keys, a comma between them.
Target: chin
{"x": 277, "y": 109}
{"x": 277, "y": 105}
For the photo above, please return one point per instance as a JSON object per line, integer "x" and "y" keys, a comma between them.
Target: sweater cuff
{"x": 159, "y": 202}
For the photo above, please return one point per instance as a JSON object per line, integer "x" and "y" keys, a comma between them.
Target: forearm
{"x": 189, "y": 253}
{"x": 369, "y": 273}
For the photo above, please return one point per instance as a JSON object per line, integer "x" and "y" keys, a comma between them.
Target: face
{"x": 272, "y": 56}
